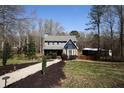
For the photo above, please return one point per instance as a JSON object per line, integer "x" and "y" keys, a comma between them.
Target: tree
{"x": 25, "y": 49}
{"x": 61, "y": 33}
{"x": 75, "y": 33}
{"x": 51, "y": 28}
{"x": 40, "y": 23}
{"x": 6, "y": 53}
{"x": 31, "y": 49}
{"x": 119, "y": 10}
{"x": 8, "y": 17}
{"x": 95, "y": 16}
{"x": 109, "y": 19}
{"x": 93, "y": 40}
{"x": 23, "y": 28}
{"x": 81, "y": 41}
{"x": 44, "y": 64}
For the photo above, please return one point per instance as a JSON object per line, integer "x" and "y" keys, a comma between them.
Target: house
{"x": 60, "y": 45}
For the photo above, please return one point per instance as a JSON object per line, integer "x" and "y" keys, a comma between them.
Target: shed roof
{"x": 93, "y": 49}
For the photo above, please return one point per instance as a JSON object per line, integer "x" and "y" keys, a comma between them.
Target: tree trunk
{"x": 2, "y": 45}
{"x": 111, "y": 39}
{"x": 121, "y": 33}
{"x": 98, "y": 40}
{"x": 40, "y": 45}
{"x": 19, "y": 41}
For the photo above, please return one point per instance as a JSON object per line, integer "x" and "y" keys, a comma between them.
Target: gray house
{"x": 60, "y": 45}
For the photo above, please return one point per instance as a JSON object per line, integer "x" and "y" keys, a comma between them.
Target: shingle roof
{"x": 59, "y": 38}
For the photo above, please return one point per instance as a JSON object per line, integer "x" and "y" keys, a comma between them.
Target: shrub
{"x": 7, "y": 53}
{"x": 48, "y": 56}
{"x": 54, "y": 55}
{"x": 71, "y": 57}
{"x": 31, "y": 51}
{"x": 0, "y": 54}
{"x": 44, "y": 62}
{"x": 25, "y": 49}
{"x": 112, "y": 59}
{"x": 64, "y": 57}
{"x": 51, "y": 55}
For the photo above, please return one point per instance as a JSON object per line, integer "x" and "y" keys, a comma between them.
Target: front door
{"x": 70, "y": 52}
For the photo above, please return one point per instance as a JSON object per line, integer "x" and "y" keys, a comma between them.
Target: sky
{"x": 71, "y": 17}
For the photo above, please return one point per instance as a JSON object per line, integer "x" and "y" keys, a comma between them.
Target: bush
{"x": 64, "y": 57}
{"x": 48, "y": 56}
{"x": 0, "y": 54}
{"x": 52, "y": 55}
{"x": 71, "y": 57}
{"x": 44, "y": 62}
{"x": 29, "y": 49}
{"x": 7, "y": 53}
{"x": 21, "y": 57}
{"x": 112, "y": 59}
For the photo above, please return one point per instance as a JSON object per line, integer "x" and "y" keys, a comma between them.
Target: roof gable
{"x": 70, "y": 45}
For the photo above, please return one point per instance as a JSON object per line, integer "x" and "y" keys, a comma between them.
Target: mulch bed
{"x": 52, "y": 78}
{"x": 86, "y": 57}
{"x": 11, "y": 68}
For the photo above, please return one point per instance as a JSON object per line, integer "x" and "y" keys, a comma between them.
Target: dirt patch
{"x": 52, "y": 78}
{"x": 11, "y": 68}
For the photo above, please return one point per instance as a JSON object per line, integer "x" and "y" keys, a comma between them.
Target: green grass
{"x": 16, "y": 61}
{"x": 93, "y": 74}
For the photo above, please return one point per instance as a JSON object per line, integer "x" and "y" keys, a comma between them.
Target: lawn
{"x": 15, "y": 64}
{"x": 77, "y": 74}
{"x": 93, "y": 74}
{"x": 15, "y": 60}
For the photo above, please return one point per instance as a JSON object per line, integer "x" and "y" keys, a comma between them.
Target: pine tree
{"x": 6, "y": 53}
{"x": 44, "y": 64}
{"x": 31, "y": 49}
{"x": 95, "y": 16}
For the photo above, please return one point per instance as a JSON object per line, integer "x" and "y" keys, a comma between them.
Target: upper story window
{"x": 48, "y": 43}
{"x": 57, "y": 43}
{"x": 53, "y": 43}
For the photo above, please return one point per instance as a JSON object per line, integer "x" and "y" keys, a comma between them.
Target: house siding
{"x": 74, "y": 51}
{"x": 67, "y": 47}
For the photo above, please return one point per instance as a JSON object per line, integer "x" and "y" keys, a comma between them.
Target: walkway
{"x": 23, "y": 73}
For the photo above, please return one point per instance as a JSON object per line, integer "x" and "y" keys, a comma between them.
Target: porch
{"x": 49, "y": 51}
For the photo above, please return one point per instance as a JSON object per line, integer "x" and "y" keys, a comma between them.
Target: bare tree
{"x": 95, "y": 15}
{"x": 22, "y": 28}
{"x": 40, "y": 23}
{"x": 120, "y": 13}
{"x": 8, "y": 17}
{"x": 52, "y": 28}
{"x": 109, "y": 18}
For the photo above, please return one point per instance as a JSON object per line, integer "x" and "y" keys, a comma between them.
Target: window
{"x": 53, "y": 43}
{"x": 57, "y": 43}
{"x": 48, "y": 43}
